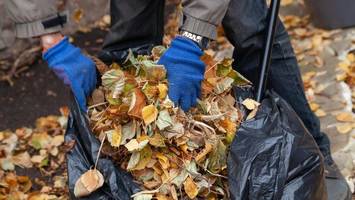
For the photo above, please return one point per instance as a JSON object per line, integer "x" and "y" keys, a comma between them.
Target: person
{"x": 244, "y": 22}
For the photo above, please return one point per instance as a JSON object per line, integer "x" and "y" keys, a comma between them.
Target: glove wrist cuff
{"x": 201, "y": 41}
{"x": 59, "y": 51}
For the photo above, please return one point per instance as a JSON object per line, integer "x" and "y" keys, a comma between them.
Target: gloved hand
{"x": 75, "y": 69}
{"x": 185, "y": 71}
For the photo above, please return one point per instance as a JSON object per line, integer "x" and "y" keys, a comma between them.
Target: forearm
{"x": 34, "y": 18}
{"x": 202, "y": 17}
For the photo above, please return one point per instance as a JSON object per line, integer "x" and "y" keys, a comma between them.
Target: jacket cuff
{"x": 197, "y": 26}
{"x": 43, "y": 26}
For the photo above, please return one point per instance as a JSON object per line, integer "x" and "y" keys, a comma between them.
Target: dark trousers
{"x": 139, "y": 25}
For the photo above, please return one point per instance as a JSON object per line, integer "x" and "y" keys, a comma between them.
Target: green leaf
{"x": 44, "y": 162}
{"x": 224, "y": 67}
{"x": 238, "y": 78}
{"x": 218, "y": 158}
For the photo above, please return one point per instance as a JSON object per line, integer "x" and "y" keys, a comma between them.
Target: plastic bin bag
{"x": 273, "y": 156}
{"x": 118, "y": 185}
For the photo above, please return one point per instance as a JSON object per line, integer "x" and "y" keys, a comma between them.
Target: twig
{"x": 98, "y": 153}
{"x": 96, "y": 105}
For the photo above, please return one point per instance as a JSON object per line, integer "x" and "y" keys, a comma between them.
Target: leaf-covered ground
{"x": 32, "y": 163}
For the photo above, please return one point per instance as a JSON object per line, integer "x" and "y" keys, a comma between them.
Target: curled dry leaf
{"x": 250, "y": 104}
{"x": 87, "y": 183}
{"x": 137, "y": 104}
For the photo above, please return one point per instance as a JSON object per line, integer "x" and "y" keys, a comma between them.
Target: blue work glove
{"x": 185, "y": 71}
{"x": 75, "y": 69}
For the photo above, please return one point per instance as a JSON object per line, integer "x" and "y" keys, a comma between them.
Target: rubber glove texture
{"x": 185, "y": 71}
{"x": 74, "y": 68}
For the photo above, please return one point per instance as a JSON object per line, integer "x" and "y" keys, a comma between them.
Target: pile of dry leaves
{"x": 171, "y": 153}
{"x": 39, "y": 153}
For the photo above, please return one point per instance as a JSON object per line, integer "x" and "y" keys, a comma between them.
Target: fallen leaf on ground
{"x": 344, "y": 128}
{"x": 345, "y": 117}
{"x": 320, "y": 113}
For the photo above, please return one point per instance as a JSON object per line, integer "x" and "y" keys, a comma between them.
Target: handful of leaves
{"x": 172, "y": 154}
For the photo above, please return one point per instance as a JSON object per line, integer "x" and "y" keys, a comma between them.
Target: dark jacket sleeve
{"x": 203, "y": 16}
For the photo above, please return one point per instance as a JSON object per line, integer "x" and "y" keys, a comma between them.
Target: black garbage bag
{"x": 118, "y": 184}
{"x": 273, "y": 156}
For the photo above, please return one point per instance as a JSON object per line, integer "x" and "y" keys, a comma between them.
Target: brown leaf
{"x": 137, "y": 104}
{"x": 211, "y": 66}
{"x": 88, "y": 183}
{"x": 101, "y": 66}
{"x": 22, "y": 160}
{"x": 78, "y": 14}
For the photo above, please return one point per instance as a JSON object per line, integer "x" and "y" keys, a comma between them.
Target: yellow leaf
{"x": 286, "y": 2}
{"x": 163, "y": 91}
{"x": 320, "y": 113}
{"x": 115, "y": 136}
{"x": 230, "y": 127}
{"x": 145, "y": 157}
{"x": 134, "y": 145}
{"x": 163, "y": 160}
{"x": 250, "y": 104}
{"x": 149, "y": 114}
{"x": 345, "y": 117}
{"x": 202, "y": 155}
{"x": 344, "y": 65}
{"x": 157, "y": 140}
{"x": 161, "y": 197}
{"x": 344, "y": 128}
{"x": 314, "y": 106}
{"x": 190, "y": 188}
{"x": 88, "y": 183}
